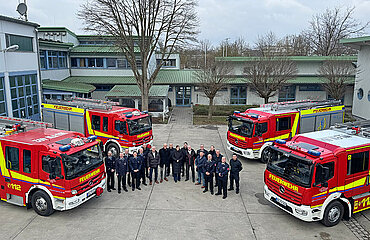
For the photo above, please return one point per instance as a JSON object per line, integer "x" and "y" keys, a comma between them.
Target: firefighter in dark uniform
{"x": 110, "y": 167}
{"x": 142, "y": 157}
{"x": 209, "y": 169}
{"x": 127, "y": 155}
{"x": 236, "y": 167}
{"x": 135, "y": 166}
{"x": 121, "y": 170}
{"x": 217, "y": 158}
{"x": 222, "y": 172}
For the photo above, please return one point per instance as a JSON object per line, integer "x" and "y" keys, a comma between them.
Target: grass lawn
{"x": 203, "y": 120}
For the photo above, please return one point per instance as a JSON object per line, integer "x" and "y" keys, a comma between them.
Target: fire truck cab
{"x": 251, "y": 133}
{"x": 116, "y": 127}
{"x": 48, "y": 169}
{"x": 321, "y": 176}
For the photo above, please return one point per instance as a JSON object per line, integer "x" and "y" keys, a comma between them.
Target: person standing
{"x": 164, "y": 154}
{"x": 172, "y": 151}
{"x": 190, "y": 159}
{"x": 146, "y": 150}
{"x": 222, "y": 171}
{"x": 177, "y": 157}
{"x": 184, "y": 149}
{"x": 121, "y": 171}
{"x": 135, "y": 166}
{"x": 212, "y": 151}
{"x": 201, "y": 149}
{"x": 110, "y": 167}
{"x": 217, "y": 158}
{"x": 153, "y": 162}
{"x": 236, "y": 167}
{"x": 209, "y": 169}
{"x": 142, "y": 157}
{"x": 199, "y": 164}
{"x": 127, "y": 155}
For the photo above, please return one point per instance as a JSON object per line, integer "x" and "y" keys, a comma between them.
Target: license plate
{"x": 91, "y": 192}
{"x": 278, "y": 200}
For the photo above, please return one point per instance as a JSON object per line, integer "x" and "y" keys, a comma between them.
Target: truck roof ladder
{"x": 360, "y": 128}
{"x": 84, "y": 103}
{"x": 10, "y": 125}
{"x": 306, "y": 104}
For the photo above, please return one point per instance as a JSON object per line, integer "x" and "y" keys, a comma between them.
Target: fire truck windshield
{"x": 243, "y": 128}
{"x": 291, "y": 168}
{"x": 139, "y": 125}
{"x": 79, "y": 163}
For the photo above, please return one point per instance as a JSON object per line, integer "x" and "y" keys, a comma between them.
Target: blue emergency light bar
{"x": 144, "y": 112}
{"x": 129, "y": 115}
{"x": 314, "y": 153}
{"x": 280, "y": 141}
{"x": 236, "y": 112}
{"x": 64, "y": 148}
{"x": 92, "y": 138}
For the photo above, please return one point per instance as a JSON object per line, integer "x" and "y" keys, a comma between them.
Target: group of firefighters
{"x": 136, "y": 167}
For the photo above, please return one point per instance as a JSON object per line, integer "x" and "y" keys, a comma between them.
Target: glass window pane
{"x": 12, "y": 158}
{"x": 99, "y": 62}
{"x": 1, "y": 82}
{"x": 34, "y": 89}
{"x": 82, "y": 62}
{"x": 2, "y": 108}
{"x": 20, "y": 91}
{"x": 111, "y": 62}
{"x": 15, "y": 104}
{"x": 25, "y": 44}
{"x": 28, "y": 90}
{"x": 33, "y": 79}
{"x": 35, "y": 99}
{"x": 1, "y": 96}
{"x": 91, "y": 62}
{"x": 35, "y": 109}
{"x": 12, "y": 82}
{"x": 13, "y": 93}
{"x": 27, "y": 79}
{"x": 27, "y": 161}
{"x": 16, "y": 114}
{"x": 21, "y": 103}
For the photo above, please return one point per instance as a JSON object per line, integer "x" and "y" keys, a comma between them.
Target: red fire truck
{"x": 321, "y": 176}
{"x": 48, "y": 169}
{"x": 251, "y": 133}
{"x": 116, "y": 127}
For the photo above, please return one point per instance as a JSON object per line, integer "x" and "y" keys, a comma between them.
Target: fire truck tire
{"x": 114, "y": 148}
{"x": 42, "y": 204}
{"x": 333, "y": 214}
{"x": 265, "y": 155}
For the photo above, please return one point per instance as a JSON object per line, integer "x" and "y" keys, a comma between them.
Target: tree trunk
{"x": 266, "y": 99}
{"x": 210, "y": 109}
{"x": 145, "y": 98}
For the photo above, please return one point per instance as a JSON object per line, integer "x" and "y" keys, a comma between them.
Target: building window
{"x": 167, "y": 63}
{"x": 12, "y": 158}
{"x": 358, "y": 162}
{"x": 103, "y": 88}
{"x": 62, "y": 57}
{"x": 82, "y": 63}
{"x": 24, "y": 96}
{"x": 360, "y": 93}
{"x": 2, "y": 98}
{"x": 287, "y": 93}
{"x": 368, "y": 96}
{"x": 25, "y": 43}
{"x": 87, "y": 62}
{"x": 43, "y": 59}
{"x": 310, "y": 87}
{"x": 74, "y": 62}
{"x": 111, "y": 62}
{"x": 238, "y": 95}
{"x": 122, "y": 63}
{"x": 52, "y": 59}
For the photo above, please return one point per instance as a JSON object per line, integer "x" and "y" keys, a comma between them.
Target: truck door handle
{"x": 7, "y": 179}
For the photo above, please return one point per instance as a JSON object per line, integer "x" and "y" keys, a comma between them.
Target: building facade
{"x": 20, "y": 88}
{"x": 361, "y": 99}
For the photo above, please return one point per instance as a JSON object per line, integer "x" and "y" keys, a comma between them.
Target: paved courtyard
{"x": 177, "y": 211}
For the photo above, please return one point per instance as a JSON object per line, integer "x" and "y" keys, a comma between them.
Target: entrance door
{"x": 183, "y": 96}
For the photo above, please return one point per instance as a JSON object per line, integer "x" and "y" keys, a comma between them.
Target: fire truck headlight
{"x": 301, "y": 212}
{"x": 74, "y": 192}
{"x": 134, "y": 144}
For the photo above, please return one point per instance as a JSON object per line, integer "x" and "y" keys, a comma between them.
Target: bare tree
{"x": 267, "y": 75}
{"x": 295, "y": 45}
{"x": 327, "y": 28}
{"x": 336, "y": 76}
{"x": 139, "y": 27}
{"x": 213, "y": 76}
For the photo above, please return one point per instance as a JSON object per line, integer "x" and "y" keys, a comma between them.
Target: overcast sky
{"x": 219, "y": 19}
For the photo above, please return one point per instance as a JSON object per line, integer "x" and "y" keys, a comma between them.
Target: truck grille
{"x": 143, "y": 141}
{"x": 87, "y": 185}
{"x": 288, "y": 195}
{"x": 237, "y": 142}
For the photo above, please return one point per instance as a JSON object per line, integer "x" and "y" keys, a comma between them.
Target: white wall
{"x": 55, "y": 74}
{"x": 101, "y": 72}
{"x": 361, "y": 108}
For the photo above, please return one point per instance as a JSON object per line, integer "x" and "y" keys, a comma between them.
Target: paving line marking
{"x": 24, "y": 227}
{"x": 357, "y": 229}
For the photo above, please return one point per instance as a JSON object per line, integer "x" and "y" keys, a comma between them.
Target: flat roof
{"x": 66, "y": 86}
{"x": 134, "y": 91}
{"x": 356, "y": 43}
{"x": 14, "y": 20}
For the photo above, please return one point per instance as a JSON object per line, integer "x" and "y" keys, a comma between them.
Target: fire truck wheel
{"x": 265, "y": 155}
{"x": 333, "y": 214}
{"x": 41, "y": 203}
{"x": 114, "y": 149}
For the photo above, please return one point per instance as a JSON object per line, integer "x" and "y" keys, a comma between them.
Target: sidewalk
{"x": 182, "y": 116}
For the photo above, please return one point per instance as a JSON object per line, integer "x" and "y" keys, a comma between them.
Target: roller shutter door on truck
{"x": 64, "y": 120}
{"x": 319, "y": 121}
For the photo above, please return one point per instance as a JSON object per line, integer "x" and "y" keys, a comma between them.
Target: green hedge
{"x": 220, "y": 110}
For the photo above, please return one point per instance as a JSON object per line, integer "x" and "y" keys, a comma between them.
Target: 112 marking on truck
{"x": 46, "y": 168}
{"x": 116, "y": 127}
{"x": 323, "y": 176}
{"x": 251, "y": 133}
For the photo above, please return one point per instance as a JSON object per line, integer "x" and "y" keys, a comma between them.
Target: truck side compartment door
{"x": 357, "y": 178}
{"x": 14, "y": 183}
